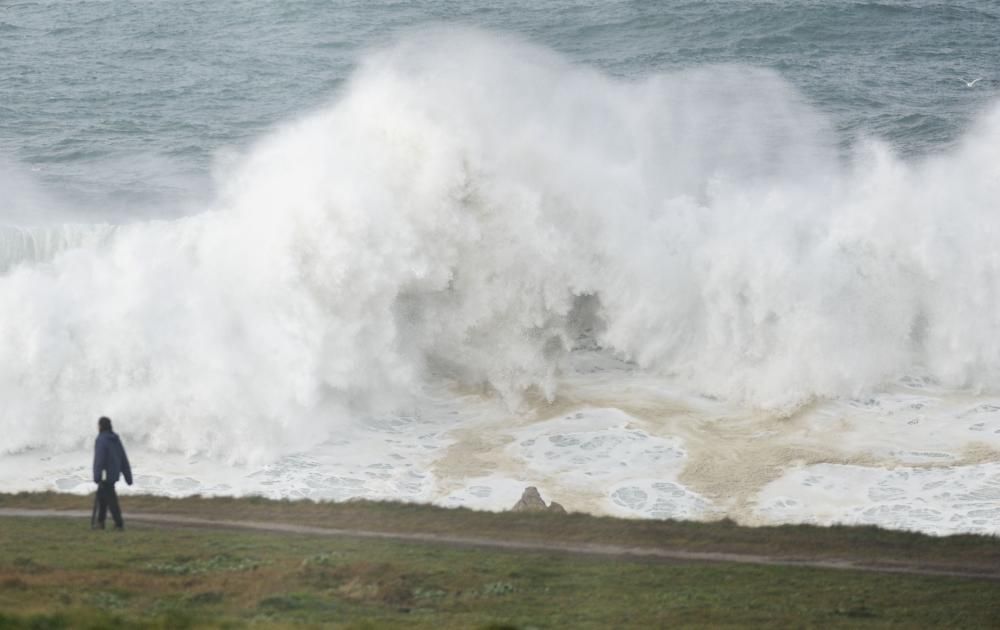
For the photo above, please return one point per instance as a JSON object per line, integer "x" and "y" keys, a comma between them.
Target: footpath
{"x": 589, "y": 549}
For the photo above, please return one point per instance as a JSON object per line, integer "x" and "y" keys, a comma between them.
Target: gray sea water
{"x": 124, "y": 105}
{"x": 660, "y": 259}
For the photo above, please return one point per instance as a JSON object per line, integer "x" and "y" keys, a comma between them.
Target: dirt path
{"x": 591, "y": 549}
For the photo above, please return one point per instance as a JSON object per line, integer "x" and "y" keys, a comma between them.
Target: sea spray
{"x": 447, "y": 214}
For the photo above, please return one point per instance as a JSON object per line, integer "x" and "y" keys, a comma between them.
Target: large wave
{"x": 469, "y": 204}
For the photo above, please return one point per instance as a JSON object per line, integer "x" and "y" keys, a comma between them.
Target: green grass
{"x": 56, "y": 573}
{"x": 869, "y": 544}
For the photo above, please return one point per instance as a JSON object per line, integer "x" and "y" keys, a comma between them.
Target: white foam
{"x": 431, "y": 219}
{"x": 490, "y": 492}
{"x": 939, "y": 501}
{"x": 603, "y": 458}
{"x": 919, "y": 442}
{"x": 468, "y": 220}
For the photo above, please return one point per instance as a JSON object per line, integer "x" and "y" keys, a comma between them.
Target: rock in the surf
{"x": 530, "y": 501}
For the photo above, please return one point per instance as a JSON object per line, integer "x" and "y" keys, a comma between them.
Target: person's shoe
{"x": 119, "y": 528}
{"x": 97, "y": 526}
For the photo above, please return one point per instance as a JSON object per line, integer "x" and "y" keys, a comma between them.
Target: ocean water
{"x": 682, "y": 259}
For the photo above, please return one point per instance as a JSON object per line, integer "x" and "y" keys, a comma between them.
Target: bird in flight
{"x": 972, "y": 82}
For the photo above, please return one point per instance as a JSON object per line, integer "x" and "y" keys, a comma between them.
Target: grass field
{"x": 57, "y": 573}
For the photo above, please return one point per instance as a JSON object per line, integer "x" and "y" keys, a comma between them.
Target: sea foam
{"x": 471, "y": 207}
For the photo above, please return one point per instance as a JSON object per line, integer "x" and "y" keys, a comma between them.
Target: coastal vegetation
{"x": 56, "y": 573}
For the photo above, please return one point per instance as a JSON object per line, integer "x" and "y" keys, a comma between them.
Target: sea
{"x": 669, "y": 259}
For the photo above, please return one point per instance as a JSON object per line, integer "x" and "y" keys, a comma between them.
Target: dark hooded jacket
{"x": 109, "y": 455}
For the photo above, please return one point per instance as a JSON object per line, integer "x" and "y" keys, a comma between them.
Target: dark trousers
{"x": 107, "y": 499}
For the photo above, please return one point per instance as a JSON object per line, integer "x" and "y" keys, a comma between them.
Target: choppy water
{"x": 441, "y": 252}
{"x": 116, "y": 104}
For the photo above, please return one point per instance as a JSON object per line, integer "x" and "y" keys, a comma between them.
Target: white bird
{"x": 972, "y": 82}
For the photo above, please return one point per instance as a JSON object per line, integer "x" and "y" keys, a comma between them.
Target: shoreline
{"x": 861, "y": 547}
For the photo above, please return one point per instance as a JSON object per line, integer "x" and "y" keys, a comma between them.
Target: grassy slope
{"x": 869, "y": 544}
{"x": 56, "y": 572}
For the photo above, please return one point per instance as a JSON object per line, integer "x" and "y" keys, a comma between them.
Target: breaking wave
{"x": 474, "y": 207}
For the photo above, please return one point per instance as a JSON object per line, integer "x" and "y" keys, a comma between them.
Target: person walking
{"x": 110, "y": 464}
